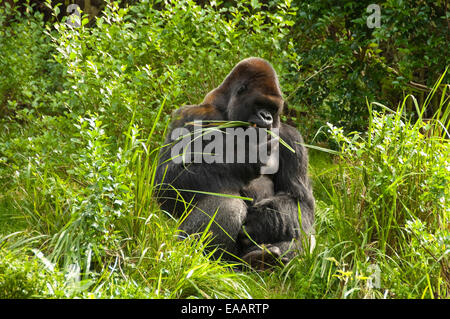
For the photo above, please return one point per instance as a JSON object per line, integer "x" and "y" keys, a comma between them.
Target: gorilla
{"x": 254, "y": 216}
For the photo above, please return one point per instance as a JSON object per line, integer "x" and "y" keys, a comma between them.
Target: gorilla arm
{"x": 226, "y": 178}
{"x": 275, "y": 219}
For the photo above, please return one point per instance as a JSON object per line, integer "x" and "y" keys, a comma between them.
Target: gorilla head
{"x": 250, "y": 93}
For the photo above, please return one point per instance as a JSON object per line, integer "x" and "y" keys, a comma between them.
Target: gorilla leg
{"x": 227, "y": 223}
{"x": 278, "y": 213}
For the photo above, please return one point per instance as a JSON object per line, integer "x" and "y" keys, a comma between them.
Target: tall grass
{"x": 386, "y": 204}
{"x": 99, "y": 225}
{"x": 382, "y": 221}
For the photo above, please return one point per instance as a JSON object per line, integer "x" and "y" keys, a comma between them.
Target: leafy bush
{"x": 18, "y": 279}
{"x": 403, "y": 172}
{"x": 347, "y": 62}
{"x": 22, "y": 277}
{"x": 381, "y": 211}
{"x": 395, "y": 196}
{"x": 139, "y": 56}
{"x": 27, "y": 69}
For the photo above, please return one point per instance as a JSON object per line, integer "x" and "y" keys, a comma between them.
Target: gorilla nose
{"x": 265, "y": 117}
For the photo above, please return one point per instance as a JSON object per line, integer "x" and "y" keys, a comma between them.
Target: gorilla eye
{"x": 242, "y": 89}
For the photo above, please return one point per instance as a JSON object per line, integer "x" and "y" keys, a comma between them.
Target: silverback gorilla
{"x": 267, "y": 229}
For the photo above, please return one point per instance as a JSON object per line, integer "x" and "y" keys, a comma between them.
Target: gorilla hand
{"x": 270, "y": 220}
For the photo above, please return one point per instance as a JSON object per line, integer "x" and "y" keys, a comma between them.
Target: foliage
{"x": 26, "y": 67}
{"x": 351, "y": 62}
{"x": 24, "y": 277}
{"x": 83, "y": 111}
{"x": 396, "y": 181}
{"x": 138, "y": 56}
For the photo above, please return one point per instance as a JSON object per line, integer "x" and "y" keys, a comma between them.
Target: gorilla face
{"x": 251, "y": 104}
{"x": 250, "y": 93}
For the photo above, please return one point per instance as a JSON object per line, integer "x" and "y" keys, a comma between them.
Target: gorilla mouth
{"x": 260, "y": 125}
{"x": 262, "y": 118}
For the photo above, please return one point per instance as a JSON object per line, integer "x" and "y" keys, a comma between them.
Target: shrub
{"x": 346, "y": 62}
{"x": 137, "y": 57}
{"x": 392, "y": 194}
{"x": 28, "y": 71}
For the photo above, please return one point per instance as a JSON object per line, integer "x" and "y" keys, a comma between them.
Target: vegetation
{"x": 83, "y": 111}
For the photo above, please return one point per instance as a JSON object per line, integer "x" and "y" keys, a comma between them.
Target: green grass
{"x": 99, "y": 234}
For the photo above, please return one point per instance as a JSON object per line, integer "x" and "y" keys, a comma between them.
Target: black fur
{"x": 272, "y": 217}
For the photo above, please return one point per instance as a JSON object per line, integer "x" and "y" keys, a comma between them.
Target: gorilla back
{"x": 261, "y": 231}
